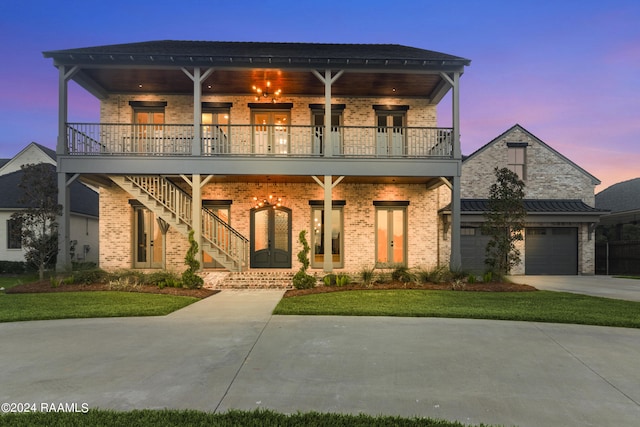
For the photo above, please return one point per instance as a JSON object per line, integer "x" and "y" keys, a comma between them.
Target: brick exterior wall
{"x": 547, "y": 176}
{"x": 179, "y": 109}
{"x": 424, "y": 227}
{"x": 424, "y": 247}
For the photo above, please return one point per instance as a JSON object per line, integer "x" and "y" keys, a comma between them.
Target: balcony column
{"x": 63, "y": 262}
{"x": 455, "y": 262}
{"x": 328, "y": 81}
{"x": 64, "y": 75}
{"x": 327, "y": 185}
{"x": 196, "y": 215}
{"x": 196, "y": 147}
{"x": 198, "y": 78}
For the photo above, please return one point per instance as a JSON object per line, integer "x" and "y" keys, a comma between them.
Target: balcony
{"x": 133, "y": 140}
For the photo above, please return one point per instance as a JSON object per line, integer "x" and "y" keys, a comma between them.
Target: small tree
{"x": 39, "y": 227}
{"x": 504, "y": 221}
{"x": 189, "y": 277}
{"x": 302, "y": 280}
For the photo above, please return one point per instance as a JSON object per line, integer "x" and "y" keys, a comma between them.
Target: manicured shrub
{"x": 302, "y": 280}
{"x": 402, "y": 274}
{"x": 190, "y": 279}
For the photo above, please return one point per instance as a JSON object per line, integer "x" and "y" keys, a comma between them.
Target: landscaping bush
{"x": 402, "y": 274}
{"x": 86, "y": 277}
{"x": 367, "y": 275}
{"x": 163, "y": 279}
{"x": 329, "y": 279}
{"x": 190, "y": 279}
{"x": 302, "y": 280}
{"x": 12, "y": 267}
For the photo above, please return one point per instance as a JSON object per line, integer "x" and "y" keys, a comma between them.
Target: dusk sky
{"x": 568, "y": 71}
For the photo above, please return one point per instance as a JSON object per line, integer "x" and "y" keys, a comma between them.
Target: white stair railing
{"x": 228, "y": 242}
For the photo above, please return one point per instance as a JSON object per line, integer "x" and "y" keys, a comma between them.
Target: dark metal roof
{"x": 83, "y": 199}
{"x": 537, "y": 206}
{"x": 158, "y": 67}
{"x": 210, "y": 52}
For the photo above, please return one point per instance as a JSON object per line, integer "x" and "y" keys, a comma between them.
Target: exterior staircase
{"x": 173, "y": 205}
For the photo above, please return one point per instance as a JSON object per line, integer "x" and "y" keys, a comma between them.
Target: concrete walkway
{"x": 228, "y": 351}
{"x": 598, "y": 286}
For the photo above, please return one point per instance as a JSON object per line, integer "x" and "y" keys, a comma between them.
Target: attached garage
{"x": 551, "y": 244}
{"x": 551, "y": 250}
{"x": 473, "y": 246}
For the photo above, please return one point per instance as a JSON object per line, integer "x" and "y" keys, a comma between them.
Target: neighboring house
{"x": 618, "y": 246}
{"x": 559, "y": 199}
{"x": 248, "y": 144}
{"x": 83, "y": 214}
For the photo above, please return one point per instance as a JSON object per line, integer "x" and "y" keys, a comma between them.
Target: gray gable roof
{"x": 83, "y": 199}
{"x": 621, "y": 197}
{"x": 594, "y": 180}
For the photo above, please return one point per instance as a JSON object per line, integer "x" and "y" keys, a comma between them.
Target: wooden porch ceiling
{"x": 103, "y": 181}
{"x": 240, "y": 82}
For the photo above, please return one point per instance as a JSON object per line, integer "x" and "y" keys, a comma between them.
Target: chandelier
{"x": 266, "y": 92}
{"x": 271, "y": 200}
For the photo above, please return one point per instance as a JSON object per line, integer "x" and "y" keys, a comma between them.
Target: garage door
{"x": 473, "y": 247}
{"x": 551, "y": 250}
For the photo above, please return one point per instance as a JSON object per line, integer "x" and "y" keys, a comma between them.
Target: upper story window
{"x": 14, "y": 234}
{"x": 517, "y": 157}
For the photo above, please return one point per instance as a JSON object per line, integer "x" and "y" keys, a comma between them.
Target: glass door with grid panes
{"x": 215, "y": 132}
{"x": 391, "y": 242}
{"x": 390, "y": 139}
{"x": 271, "y": 132}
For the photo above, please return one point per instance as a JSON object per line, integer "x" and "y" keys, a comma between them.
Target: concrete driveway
{"x": 598, "y": 286}
{"x": 228, "y": 351}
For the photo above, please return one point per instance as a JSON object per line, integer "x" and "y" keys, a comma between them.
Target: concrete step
{"x": 254, "y": 279}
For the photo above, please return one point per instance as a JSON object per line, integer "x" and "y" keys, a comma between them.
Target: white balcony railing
{"x": 258, "y": 140}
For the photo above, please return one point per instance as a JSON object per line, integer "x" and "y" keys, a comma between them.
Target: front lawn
{"x": 65, "y": 305}
{"x": 167, "y": 417}
{"x": 540, "y": 306}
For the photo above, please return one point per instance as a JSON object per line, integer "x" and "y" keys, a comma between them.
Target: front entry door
{"x": 148, "y": 240}
{"x": 391, "y": 244}
{"x": 270, "y": 237}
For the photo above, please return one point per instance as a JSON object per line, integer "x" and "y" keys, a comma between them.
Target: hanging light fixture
{"x": 270, "y": 200}
{"x": 266, "y": 92}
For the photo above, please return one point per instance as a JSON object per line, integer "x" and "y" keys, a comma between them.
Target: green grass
{"x": 540, "y": 306}
{"x": 65, "y": 305}
{"x": 11, "y": 280}
{"x": 167, "y": 417}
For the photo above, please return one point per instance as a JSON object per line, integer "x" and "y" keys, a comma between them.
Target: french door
{"x": 270, "y": 237}
{"x": 149, "y": 131}
{"x": 319, "y": 139}
{"x": 271, "y": 132}
{"x": 391, "y": 231}
{"x": 148, "y": 239}
{"x": 390, "y": 138}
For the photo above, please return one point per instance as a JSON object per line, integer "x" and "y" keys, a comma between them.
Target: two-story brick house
{"x": 247, "y": 144}
{"x": 559, "y": 198}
